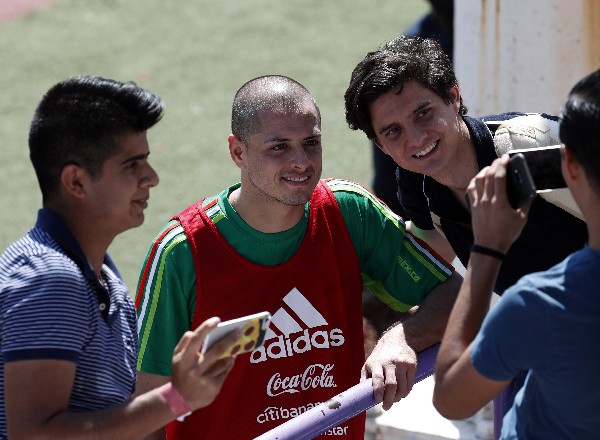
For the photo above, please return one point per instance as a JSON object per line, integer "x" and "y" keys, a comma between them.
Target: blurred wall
{"x": 523, "y": 55}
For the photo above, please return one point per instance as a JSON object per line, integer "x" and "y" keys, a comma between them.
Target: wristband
{"x": 487, "y": 251}
{"x": 175, "y": 401}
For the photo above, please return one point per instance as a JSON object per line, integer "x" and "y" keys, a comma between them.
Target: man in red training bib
{"x": 285, "y": 241}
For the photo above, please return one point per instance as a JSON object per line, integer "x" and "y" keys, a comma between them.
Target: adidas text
{"x": 282, "y": 347}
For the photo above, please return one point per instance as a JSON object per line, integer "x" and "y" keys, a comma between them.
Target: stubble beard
{"x": 290, "y": 197}
{"x": 295, "y": 200}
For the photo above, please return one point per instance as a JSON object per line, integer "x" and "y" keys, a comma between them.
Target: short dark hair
{"x": 579, "y": 122}
{"x": 392, "y": 65}
{"x": 265, "y": 93}
{"x": 78, "y": 122}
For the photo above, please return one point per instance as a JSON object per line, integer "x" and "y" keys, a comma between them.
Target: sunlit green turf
{"x": 195, "y": 55}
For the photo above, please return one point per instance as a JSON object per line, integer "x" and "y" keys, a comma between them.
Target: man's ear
{"x": 72, "y": 180}
{"x": 455, "y": 95}
{"x": 236, "y": 150}
{"x": 570, "y": 166}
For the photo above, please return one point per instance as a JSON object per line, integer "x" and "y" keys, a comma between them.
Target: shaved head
{"x": 272, "y": 94}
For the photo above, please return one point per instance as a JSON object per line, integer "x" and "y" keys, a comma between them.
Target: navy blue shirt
{"x": 548, "y": 237}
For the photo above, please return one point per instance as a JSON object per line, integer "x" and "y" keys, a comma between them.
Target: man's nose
{"x": 150, "y": 177}
{"x": 299, "y": 158}
{"x": 415, "y": 135}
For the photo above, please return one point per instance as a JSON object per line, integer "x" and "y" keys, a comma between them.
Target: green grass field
{"x": 195, "y": 55}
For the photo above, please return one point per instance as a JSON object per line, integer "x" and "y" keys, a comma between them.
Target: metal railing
{"x": 342, "y": 407}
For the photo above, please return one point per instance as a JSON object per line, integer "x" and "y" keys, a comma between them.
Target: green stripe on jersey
{"x": 352, "y": 187}
{"x": 172, "y": 239}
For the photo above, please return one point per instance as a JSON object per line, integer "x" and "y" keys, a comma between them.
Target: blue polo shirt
{"x": 52, "y": 306}
{"x": 557, "y": 310}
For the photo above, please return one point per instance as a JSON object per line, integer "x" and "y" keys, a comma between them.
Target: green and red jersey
{"x": 316, "y": 305}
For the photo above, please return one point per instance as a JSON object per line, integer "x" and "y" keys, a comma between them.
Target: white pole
{"x": 523, "y": 55}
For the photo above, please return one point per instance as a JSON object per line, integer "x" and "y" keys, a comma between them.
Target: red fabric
{"x": 319, "y": 288}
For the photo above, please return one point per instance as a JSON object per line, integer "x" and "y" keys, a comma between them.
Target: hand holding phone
{"x": 253, "y": 327}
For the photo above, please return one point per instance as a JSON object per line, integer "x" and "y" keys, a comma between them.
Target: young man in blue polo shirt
{"x": 68, "y": 335}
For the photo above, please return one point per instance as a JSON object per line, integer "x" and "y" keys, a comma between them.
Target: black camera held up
{"x": 533, "y": 170}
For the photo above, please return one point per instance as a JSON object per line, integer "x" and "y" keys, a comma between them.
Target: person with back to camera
{"x": 285, "y": 241}
{"x": 405, "y": 96}
{"x": 68, "y": 336}
{"x": 557, "y": 308}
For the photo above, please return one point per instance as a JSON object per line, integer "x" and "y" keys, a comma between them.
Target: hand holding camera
{"x": 495, "y": 223}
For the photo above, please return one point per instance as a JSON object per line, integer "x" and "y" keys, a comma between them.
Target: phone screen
{"x": 544, "y": 165}
{"x": 254, "y": 328}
